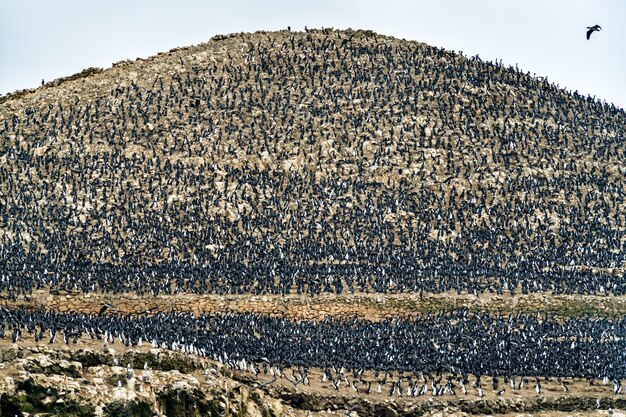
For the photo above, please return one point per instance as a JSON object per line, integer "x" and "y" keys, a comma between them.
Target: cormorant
{"x": 594, "y": 28}
{"x": 104, "y": 308}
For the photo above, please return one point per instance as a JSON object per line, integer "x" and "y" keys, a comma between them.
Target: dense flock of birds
{"x": 325, "y": 161}
{"x": 314, "y": 162}
{"x": 459, "y": 345}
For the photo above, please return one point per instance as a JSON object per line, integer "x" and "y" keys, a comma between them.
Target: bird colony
{"x": 313, "y": 164}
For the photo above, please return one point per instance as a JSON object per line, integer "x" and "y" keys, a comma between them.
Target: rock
{"x": 121, "y": 393}
{"x": 44, "y": 361}
{"x": 9, "y": 385}
{"x": 8, "y": 353}
{"x": 388, "y": 411}
{"x": 91, "y": 358}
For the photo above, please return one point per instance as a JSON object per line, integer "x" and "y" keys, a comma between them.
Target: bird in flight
{"x": 594, "y": 28}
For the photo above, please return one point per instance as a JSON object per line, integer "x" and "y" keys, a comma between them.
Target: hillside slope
{"x": 320, "y": 161}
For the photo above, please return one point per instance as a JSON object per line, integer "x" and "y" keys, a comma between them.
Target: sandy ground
{"x": 370, "y": 306}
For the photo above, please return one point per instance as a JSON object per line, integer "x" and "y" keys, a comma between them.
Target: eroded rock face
{"x": 104, "y": 383}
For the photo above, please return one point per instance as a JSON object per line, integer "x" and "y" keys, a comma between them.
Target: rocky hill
{"x": 278, "y": 195}
{"x": 316, "y": 162}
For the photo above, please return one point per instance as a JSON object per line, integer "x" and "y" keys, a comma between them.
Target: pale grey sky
{"x": 50, "y": 39}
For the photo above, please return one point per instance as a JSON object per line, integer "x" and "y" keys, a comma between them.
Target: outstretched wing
{"x": 589, "y": 32}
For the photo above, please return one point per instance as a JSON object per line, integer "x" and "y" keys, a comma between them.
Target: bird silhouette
{"x": 594, "y": 28}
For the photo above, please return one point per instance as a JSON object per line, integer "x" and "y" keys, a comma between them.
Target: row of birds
{"x": 457, "y": 343}
{"x": 359, "y": 381}
{"x": 399, "y": 385}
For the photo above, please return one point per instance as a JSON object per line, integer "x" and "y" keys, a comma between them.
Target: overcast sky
{"x": 50, "y": 39}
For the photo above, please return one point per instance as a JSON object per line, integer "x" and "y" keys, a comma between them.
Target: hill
{"x": 276, "y": 184}
{"x": 361, "y": 161}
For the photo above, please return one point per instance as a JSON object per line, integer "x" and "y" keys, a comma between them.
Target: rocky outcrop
{"x": 90, "y": 382}
{"x": 462, "y": 407}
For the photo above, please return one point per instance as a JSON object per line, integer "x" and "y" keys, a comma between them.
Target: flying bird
{"x": 594, "y": 28}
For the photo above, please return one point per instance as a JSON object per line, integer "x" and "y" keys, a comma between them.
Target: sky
{"x": 43, "y": 39}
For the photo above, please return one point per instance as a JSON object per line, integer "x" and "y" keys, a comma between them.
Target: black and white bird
{"x": 104, "y": 308}
{"x": 617, "y": 386}
{"x": 594, "y": 28}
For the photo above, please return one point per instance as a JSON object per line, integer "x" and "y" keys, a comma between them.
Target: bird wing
{"x": 589, "y": 32}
